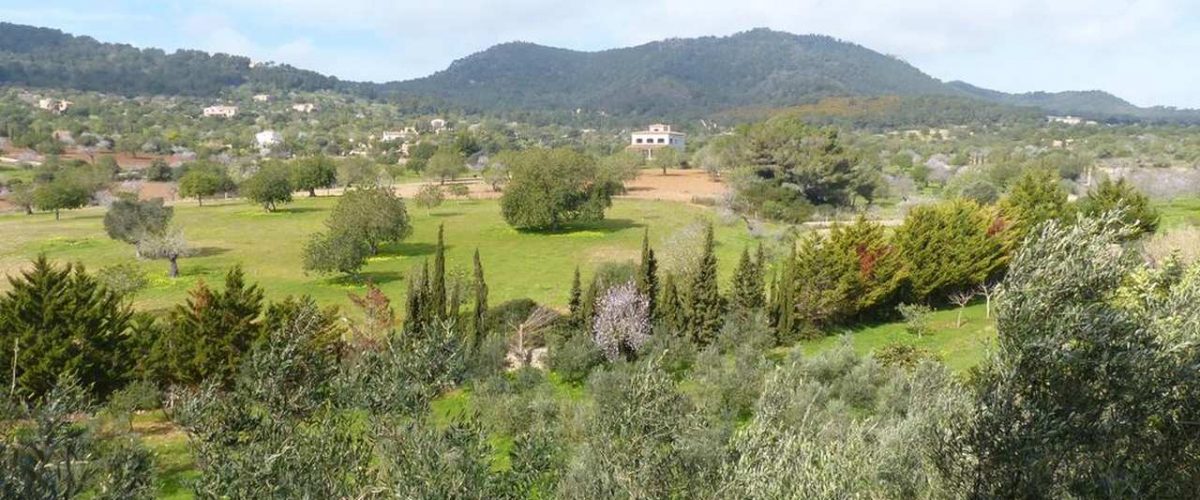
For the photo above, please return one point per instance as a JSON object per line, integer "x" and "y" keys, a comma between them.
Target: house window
{"x": 638, "y": 140}
{"x": 660, "y": 140}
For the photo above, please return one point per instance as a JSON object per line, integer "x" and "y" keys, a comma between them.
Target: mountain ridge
{"x": 672, "y": 77}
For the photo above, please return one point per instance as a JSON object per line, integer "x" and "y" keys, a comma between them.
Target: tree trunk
{"x": 312, "y": 192}
{"x": 56, "y": 214}
{"x": 174, "y": 271}
{"x": 958, "y": 320}
{"x": 200, "y": 200}
{"x": 28, "y": 209}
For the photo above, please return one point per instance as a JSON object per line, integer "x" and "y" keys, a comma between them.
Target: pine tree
{"x": 574, "y": 300}
{"x": 647, "y": 277}
{"x": 479, "y": 315}
{"x": 60, "y": 319}
{"x": 209, "y": 334}
{"x": 437, "y": 280}
{"x": 704, "y": 297}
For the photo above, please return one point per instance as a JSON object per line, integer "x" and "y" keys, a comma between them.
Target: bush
{"x": 575, "y": 359}
{"x": 123, "y": 279}
{"x": 902, "y": 355}
{"x": 916, "y": 318}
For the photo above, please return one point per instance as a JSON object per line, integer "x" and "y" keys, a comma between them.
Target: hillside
{"x": 692, "y": 77}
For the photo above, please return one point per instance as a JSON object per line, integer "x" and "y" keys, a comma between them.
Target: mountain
{"x": 757, "y": 69}
{"x": 42, "y": 57}
{"x": 689, "y": 76}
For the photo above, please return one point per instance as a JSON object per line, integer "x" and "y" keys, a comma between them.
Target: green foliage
{"x": 204, "y": 179}
{"x": 549, "y": 187}
{"x": 129, "y": 219}
{"x": 479, "y": 290}
{"x": 49, "y": 455}
{"x": 371, "y": 215}
{"x": 312, "y": 173}
{"x": 647, "y": 274}
{"x": 702, "y": 303}
{"x": 429, "y": 196}
{"x": 60, "y": 320}
{"x": 357, "y": 172}
{"x": 60, "y": 194}
{"x": 1136, "y": 211}
{"x": 158, "y": 171}
{"x": 123, "y": 279}
{"x": 270, "y": 186}
{"x": 950, "y": 246}
{"x": 209, "y": 335}
{"x": 787, "y": 153}
{"x": 331, "y": 253}
{"x": 916, "y": 318}
{"x": 1036, "y": 197}
{"x": 445, "y": 165}
{"x": 1084, "y": 398}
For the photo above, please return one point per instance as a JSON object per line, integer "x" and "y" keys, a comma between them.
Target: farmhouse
{"x": 656, "y": 136}
{"x": 437, "y": 124}
{"x": 262, "y": 97}
{"x": 393, "y": 135}
{"x": 55, "y": 105}
{"x": 304, "y": 107}
{"x": 221, "y": 110}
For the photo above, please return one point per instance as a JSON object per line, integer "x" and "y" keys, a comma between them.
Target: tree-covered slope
{"x": 42, "y": 57}
{"x": 699, "y": 75}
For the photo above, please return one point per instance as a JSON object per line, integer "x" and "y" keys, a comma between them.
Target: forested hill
{"x": 690, "y": 77}
{"x": 699, "y": 75}
{"x": 42, "y": 57}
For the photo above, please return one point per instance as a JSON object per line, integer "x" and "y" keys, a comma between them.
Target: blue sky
{"x": 1146, "y": 51}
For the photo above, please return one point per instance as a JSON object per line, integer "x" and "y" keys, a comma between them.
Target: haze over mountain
{"x": 676, "y": 77}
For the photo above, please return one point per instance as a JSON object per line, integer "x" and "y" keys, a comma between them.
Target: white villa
{"x": 54, "y": 105}
{"x": 304, "y": 107}
{"x": 656, "y": 136}
{"x": 268, "y": 138}
{"x": 221, "y": 110}
{"x": 262, "y": 97}
{"x": 437, "y": 124}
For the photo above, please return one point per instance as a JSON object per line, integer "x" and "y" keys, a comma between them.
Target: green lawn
{"x": 959, "y": 347}
{"x": 1184, "y": 211}
{"x": 269, "y": 247}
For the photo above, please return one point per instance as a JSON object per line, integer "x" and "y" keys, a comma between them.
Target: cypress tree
{"x": 437, "y": 280}
{"x": 60, "y": 319}
{"x": 746, "y": 295}
{"x": 784, "y": 300}
{"x": 587, "y": 305}
{"x": 479, "y": 315}
{"x": 704, "y": 297}
{"x": 413, "y": 302}
{"x": 647, "y": 277}
{"x": 574, "y": 301}
{"x": 670, "y": 308}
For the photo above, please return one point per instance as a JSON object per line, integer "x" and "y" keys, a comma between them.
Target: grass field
{"x": 269, "y": 247}
{"x": 1184, "y": 211}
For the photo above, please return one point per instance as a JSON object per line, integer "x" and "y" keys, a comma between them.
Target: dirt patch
{"x": 677, "y": 185}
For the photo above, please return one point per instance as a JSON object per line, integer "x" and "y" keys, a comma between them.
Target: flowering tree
{"x": 622, "y": 324}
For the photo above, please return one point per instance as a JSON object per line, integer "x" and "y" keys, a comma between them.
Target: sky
{"x": 1145, "y": 51}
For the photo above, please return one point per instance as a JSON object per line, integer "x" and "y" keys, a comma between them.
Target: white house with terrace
{"x": 656, "y": 136}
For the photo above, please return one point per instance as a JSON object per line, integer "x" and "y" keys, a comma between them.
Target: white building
{"x": 304, "y": 107}
{"x": 54, "y": 105}
{"x": 262, "y": 97}
{"x": 656, "y": 136}
{"x": 268, "y": 138}
{"x": 1066, "y": 120}
{"x": 394, "y": 135}
{"x": 437, "y": 124}
{"x": 221, "y": 110}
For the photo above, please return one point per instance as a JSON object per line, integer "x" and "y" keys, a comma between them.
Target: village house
{"x": 268, "y": 138}
{"x": 304, "y": 107}
{"x": 656, "y": 136}
{"x": 221, "y": 110}
{"x": 262, "y": 97}
{"x": 437, "y": 124}
{"x": 54, "y": 105}
{"x": 393, "y": 135}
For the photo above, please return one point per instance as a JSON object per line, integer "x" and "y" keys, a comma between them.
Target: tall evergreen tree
{"x": 574, "y": 301}
{"x": 437, "y": 279}
{"x": 479, "y": 314}
{"x": 60, "y": 319}
{"x": 704, "y": 297}
{"x": 414, "y": 302}
{"x": 670, "y": 307}
{"x": 209, "y": 334}
{"x": 783, "y": 300}
{"x": 647, "y": 277}
{"x": 587, "y": 303}
{"x": 747, "y": 293}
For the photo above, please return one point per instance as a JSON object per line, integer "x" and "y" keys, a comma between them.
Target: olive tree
{"x": 548, "y": 187}
{"x": 269, "y": 186}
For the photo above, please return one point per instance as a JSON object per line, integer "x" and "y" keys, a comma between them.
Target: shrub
{"x": 916, "y": 318}
{"x": 123, "y": 279}
{"x": 575, "y": 358}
